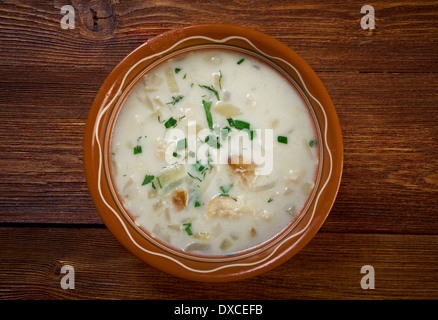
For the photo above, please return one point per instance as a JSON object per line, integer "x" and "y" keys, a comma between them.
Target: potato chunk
{"x": 223, "y": 207}
{"x": 247, "y": 172}
{"x": 179, "y": 199}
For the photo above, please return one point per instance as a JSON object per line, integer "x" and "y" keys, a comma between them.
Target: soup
{"x": 214, "y": 152}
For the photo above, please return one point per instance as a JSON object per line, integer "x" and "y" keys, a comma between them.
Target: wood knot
{"x": 99, "y": 17}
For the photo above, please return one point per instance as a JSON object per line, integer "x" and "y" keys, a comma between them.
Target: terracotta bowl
{"x": 248, "y": 263}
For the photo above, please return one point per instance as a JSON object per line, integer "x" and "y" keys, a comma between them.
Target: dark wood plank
{"x": 389, "y": 127}
{"x": 329, "y": 267}
{"x": 326, "y": 33}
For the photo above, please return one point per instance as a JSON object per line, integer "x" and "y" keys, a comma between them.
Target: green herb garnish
{"x": 312, "y": 143}
{"x": 252, "y": 134}
{"x": 181, "y": 144}
{"x": 192, "y": 154}
{"x": 177, "y": 70}
{"x": 170, "y": 123}
{"x": 207, "y": 106}
{"x": 225, "y": 132}
{"x": 137, "y": 149}
{"x": 175, "y": 99}
{"x": 188, "y": 228}
{"x": 147, "y": 179}
{"x": 159, "y": 182}
{"x": 226, "y": 188}
{"x": 282, "y": 139}
{"x": 210, "y": 88}
{"x": 240, "y": 61}
{"x": 220, "y": 80}
{"x": 270, "y": 200}
{"x": 197, "y": 204}
{"x": 238, "y": 124}
{"x": 212, "y": 141}
{"x": 241, "y": 125}
{"x": 176, "y": 155}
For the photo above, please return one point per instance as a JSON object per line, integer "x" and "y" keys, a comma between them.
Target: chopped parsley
{"x": 212, "y": 141}
{"x": 239, "y": 124}
{"x": 177, "y": 70}
{"x": 312, "y": 143}
{"x": 147, "y": 179}
{"x": 137, "y": 149}
{"x": 240, "y": 61}
{"x": 270, "y": 200}
{"x": 170, "y": 123}
{"x": 197, "y": 204}
{"x": 207, "y": 106}
{"x": 282, "y": 139}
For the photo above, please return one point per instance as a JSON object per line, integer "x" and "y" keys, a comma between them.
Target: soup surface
{"x": 214, "y": 152}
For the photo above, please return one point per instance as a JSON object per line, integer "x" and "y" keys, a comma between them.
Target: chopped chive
{"x": 207, "y": 106}
{"x": 177, "y": 70}
{"x": 181, "y": 144}
{"x": 176, "y": 155}
{"x": 210, "y": 88}
{"x": 170, "y": 123}
{"x": 159, "y": 182}
{"x": 282, "y": 139}
{"x": 198, "y": 167}
{"x": 226, "y": 187}
{"x": 175, "y": 99}
{"x": 185, "y": 76}
{"x": 153, "y": 186}
{"x": 270, "y": 200}
{"x": 197, "y": 204}
{"x": 147, "y": 179}
{"x": 192, "y": 154}
{"x": 312, "y": 143}
{"x": 230, "y": 122}
{"x": 194, "y": 177}
{"x": 137, "y": 149}
{"x": 187, "y": 229}
{"x": 240, "y": 61}
{"x": 239, "y": 124}
{"x": 252, "y": 134}
{"x": 220, "y": 80}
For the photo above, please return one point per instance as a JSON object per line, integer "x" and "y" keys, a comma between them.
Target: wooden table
{"x": 383, "y": 83}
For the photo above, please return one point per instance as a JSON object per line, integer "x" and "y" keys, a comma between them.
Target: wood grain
{"x": 405, "y": 268}
{"x": 390, "y": 140}
{"x": 383, "y": 84}
{"x": 326, "y": 33}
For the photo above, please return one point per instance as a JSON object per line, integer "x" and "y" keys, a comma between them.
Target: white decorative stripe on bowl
{"x": 96, "y": 136}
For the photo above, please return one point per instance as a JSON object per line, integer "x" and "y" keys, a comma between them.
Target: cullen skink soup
{"x": 213, "y": 152}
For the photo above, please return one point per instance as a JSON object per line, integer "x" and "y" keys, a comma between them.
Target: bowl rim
{"x": 192, "y": 266}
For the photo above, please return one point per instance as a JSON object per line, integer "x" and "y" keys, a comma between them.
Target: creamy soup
{"x": 214, "y": 152}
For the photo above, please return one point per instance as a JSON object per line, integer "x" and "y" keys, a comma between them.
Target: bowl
{"x": 240, "y": 265}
